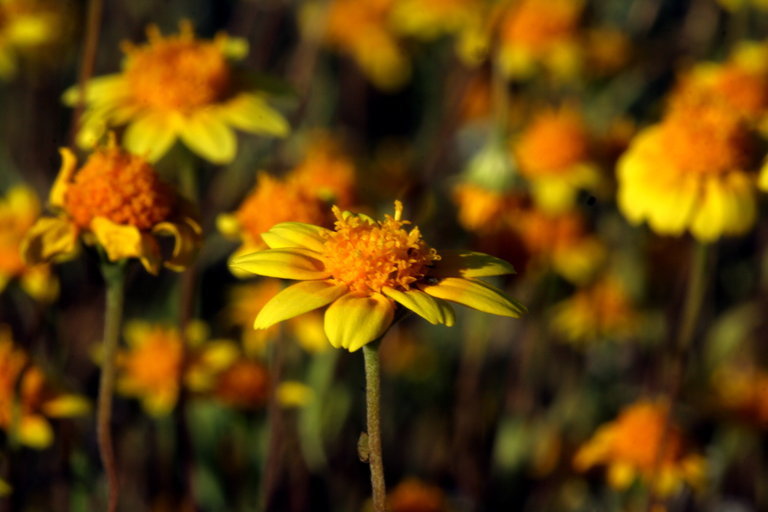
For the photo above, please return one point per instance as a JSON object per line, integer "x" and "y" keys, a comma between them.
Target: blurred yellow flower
{"x": 26, "y": 25}
{"x": 27, "y": 401}
{"x": 603, "y": 310}
{"x": 19, "y": 210}
{"x": 157, "y": 363}
{"x": 554, "y": 155}
{"x": 691, "y": 172}
{"x": 744, "y": 390}
{"x": 630, "y": 447}
{"x": 364, "y": 269}
{"x": 292, "y": 394}
{"x": 117, "y": 201}
{"x": 414, "y": 495}
{"x": 178, "y": 87}
{"x": 429, "y": 19}
{"x": 361, "y": 29}
{"x": 540, "y": 34}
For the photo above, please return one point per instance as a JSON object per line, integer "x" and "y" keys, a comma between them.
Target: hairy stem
{"x": 373, "y": 401}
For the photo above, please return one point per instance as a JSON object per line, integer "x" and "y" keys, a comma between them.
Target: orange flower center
{"x": 705, "y": 137}
{"x": 274, "y": 201}
{"x": 638, "y": 437}
{"x": 121, "y": 187}
{"x": 177, "y": 72}
{"x": 367, "y": 255}
{"x": 553, "y": 143}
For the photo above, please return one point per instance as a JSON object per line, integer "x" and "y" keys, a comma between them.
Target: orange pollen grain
{"x": 368, "y": 255}
{"x": 121, "y": 187}
{"x": 705, "y": 137}
{"x": 553, "y": 144}
{"x": 177, "y": 72}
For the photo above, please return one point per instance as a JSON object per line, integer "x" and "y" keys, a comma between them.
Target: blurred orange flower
{"x": 744, "y": 390}
{"x": 414, "y": 495}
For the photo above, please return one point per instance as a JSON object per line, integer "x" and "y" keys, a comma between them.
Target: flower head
{"x": 178, "y": 86}
{"x": 691, "y": 172}
{"x": 26, "y": 398}
{"x": 117, "y": 201}
{"x": 640, "y": 442}
{"x": 19, "y": 210}
{"x": 363, "y": 269}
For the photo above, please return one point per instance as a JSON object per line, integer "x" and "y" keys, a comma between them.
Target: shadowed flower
{"x": 157, "y": 363}
{"x": 630, "y": 447}
{"x": 327, "y": 172}
{"x": 26, "y": 399}
{"x": 482, "y": 210}
{"x": 364, "y": 269}
{"x": 178, "y": 87}
{"x": 243, "y": 384}
{"x": 19, "y": 210}
{"x": 413, "y": 495}
{"x": 691, "y": 172}
{"x": 117, "y": 201}
{"x": 26, "y": 25}
{"x": 554, "y": 155}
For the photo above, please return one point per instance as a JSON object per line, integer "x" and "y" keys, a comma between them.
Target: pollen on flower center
{"x": 177, "y": 72}
{"x": 121, "y": 187}
{"x": 706, "y": 137}
{"x": 367, "y": 255}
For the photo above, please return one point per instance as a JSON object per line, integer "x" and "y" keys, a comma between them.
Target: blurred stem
{"x": 90, "y": 44}
{"x": 373, "y": 409}
{"x": 114, "y": 277}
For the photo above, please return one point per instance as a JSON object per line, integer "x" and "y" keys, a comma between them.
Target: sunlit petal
{"x": 475, "y": 294}
{"x": 459, "y": 263}
{"x": 281, "y": 263}
{"x": 352, "y": 321}
{"x": 297, "y": 299}
{"x": 295, "y": 234}
{"x": 431, "y": 309}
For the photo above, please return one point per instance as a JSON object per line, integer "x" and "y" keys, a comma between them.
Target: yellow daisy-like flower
{"x": 602, "y": 310}
{"x": 19, "y": 210}
{"x": 414, "y": 495}
{"x": 117, "y": 201}
{"x": 178, "y": 87}
{"x": 744, "y": 390}
{"x": 155, "y": 365}
{"x": 27, "y": 401}
{"x": 363, "y": 269}
{"x": 630, "y": 447}
{"x": 691, "y": 172}
{"x": 25, "y": 25}
{"x": 537, "y": 34}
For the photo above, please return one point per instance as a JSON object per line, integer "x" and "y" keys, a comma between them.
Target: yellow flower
{"x": 26, "y": 25}
{"x": 157, "y": 363}
{"x": 364, "y": 269}
{"x": 538, "y": 34}
{"x": 27, "y": 401}
{"x": 553, "y": 153}
{"x": 117, "y": 201}
{"x": 743, "y": 389}
{"x": 414, "y": 495}
{"x": 178, "y": 87}
{"x": 18, "y": 211}
{"x": 691, "y": 172}
{"x": 602, "y": 310}
{"x": 630, "y": 447}
{"x": 361, "y": 29}
{"x": 429, "y": 19}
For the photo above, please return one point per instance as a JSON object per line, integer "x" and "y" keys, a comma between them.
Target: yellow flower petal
{"x": 65, "y": 406}
{"x": 475, "y": 294}
{"x": 709, "y": 221}
{"x": 297, "y": 299}
{"x": 251, "y": 113}
{"x": 122, "y": 241}
{"x": 98, "y": 90}
{"x": 208, "y": 136}
{"x": 48, "y": 238}
{"x": 186, "y": 236}
{"x": 281, "y": 263}
{"x": 35, "y": 432}
{"x": 295, "y": 234}
{"x": 292, "y": 393}
{"x": 620, "y": 475}
{"x": 39, "y": 283}
{"x": 352, "y": 321}
{"x": 151, "y": 135}
{"x": 63, "y": 179}
{"x": 434, "y": 311}
{"x": 458, "y": 263}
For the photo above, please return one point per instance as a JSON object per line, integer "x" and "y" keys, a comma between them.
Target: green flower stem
{"x": 373, "y": 406}
{"x": 114, "y": 277}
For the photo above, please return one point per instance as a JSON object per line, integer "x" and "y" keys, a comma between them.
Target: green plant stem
{"x": 373, "y": 410}
{"x": 114, "y": 278}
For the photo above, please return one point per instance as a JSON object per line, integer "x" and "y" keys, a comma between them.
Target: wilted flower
{"x": 19, "y": 210}
{"x": 178, "y": 87}
{"x": 364, "y": 269}
{"x": 27, "y": 400}
{"x": 641, "y": 443}
{"x": 117, "y": 201}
